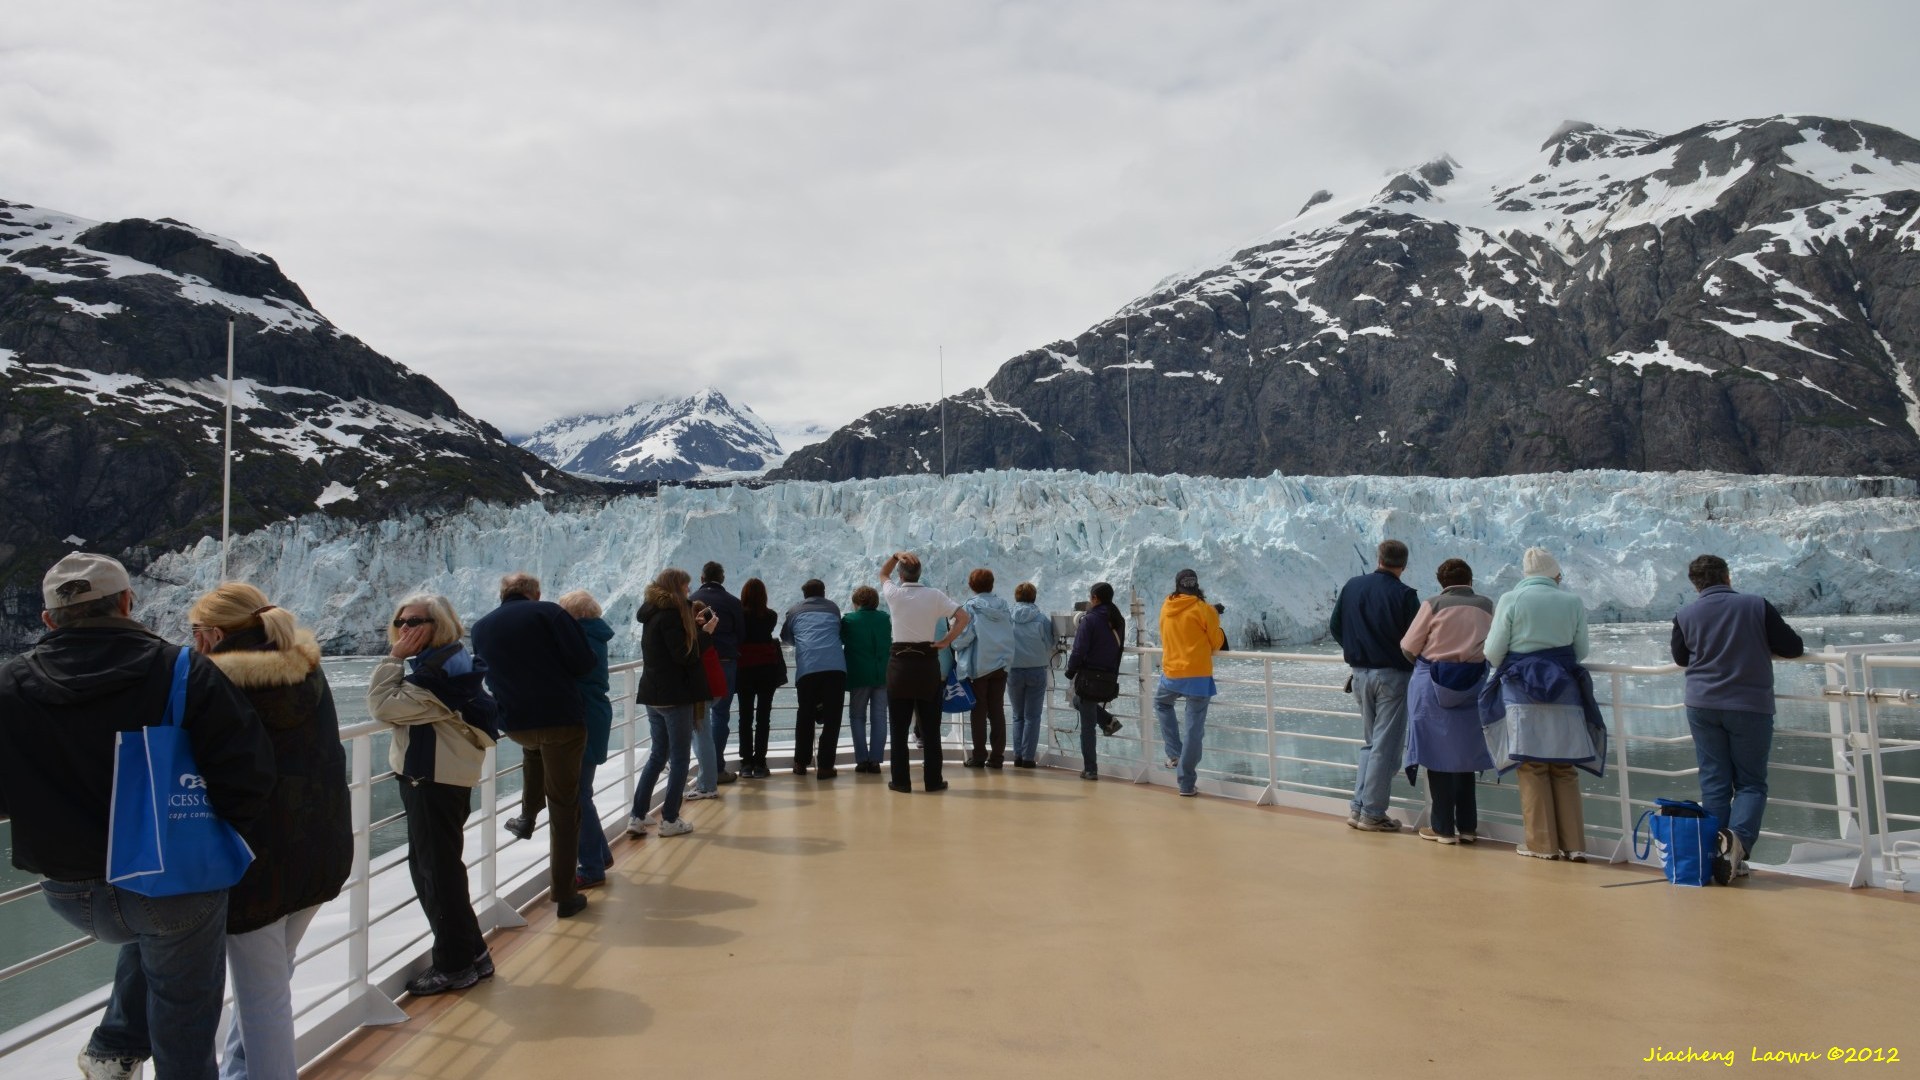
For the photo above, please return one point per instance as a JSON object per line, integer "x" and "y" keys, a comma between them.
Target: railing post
{"x": 370, "y": 1005}
{"x": 1272, "y": 793}
{"x": 494, "y": 913}
{"x": 1889, "y": 857}
{"x": 1622, "y": 851}
{"x": 1149, "y": 723}
{"x": 631, "y": 710}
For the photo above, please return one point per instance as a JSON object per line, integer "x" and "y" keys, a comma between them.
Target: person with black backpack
{"x": 1093, "y": 669}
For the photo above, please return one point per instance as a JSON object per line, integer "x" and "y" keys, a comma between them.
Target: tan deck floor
{"x": 1032, "y": 924}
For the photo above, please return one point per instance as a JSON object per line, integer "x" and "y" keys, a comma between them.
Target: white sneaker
{"x": 109, "y": 1068}
{"x": 676, "y": 828}
{"x": 1173, "y": 764}
{"x": 636, "y": 826}
{"x": 695, "y": 796}
{"x": 1574, "y": 856}
{"x": 1532, "y": 854}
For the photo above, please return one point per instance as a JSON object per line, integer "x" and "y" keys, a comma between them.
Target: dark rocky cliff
{"x": 1739, "y": 297}
{"x": 112, "y": 363}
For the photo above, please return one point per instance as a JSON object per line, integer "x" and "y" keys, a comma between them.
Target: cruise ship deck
{"x": 1029, "y": 923}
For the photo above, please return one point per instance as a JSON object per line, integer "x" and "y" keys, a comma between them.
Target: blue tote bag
{"x": 163, "y": 838}
{"x": 958, "y": 696}
{"x": 1687, "y": 838}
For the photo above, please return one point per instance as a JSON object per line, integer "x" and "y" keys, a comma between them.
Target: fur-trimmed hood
{"x": 254, "y": 669}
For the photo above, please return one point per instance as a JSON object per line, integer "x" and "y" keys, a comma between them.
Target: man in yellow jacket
{"x": 1189, "y": 636}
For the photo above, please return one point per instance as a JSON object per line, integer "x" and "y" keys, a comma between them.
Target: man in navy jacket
{"x": 534, "y": 651}
{"x": 1369, "y": 619}
{"x": 727, "y": 633}
{"x": 1727, "y": 641}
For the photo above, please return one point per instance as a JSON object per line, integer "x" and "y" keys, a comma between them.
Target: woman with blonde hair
{"x": 673, "y": 680}
{"x": 431, "y": 690}
{"x": 303, "y": 843}
{"x": 595, "y": 855}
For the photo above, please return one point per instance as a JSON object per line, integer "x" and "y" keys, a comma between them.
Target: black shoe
{"x": 937, "y": 785}
{"x": 975, "y": 763}
{"x": 1110, "y": 727}
{"x": 483, "y": 965}
{"x": 799, "y": 770}
{"x": 1089, "y": 774}
{"x": 434, "y": 981}
{"x": 904, "y": 789}
{"x": 572, "y": 905}
{"x": 994, "y": 764}
{"x": 521, "y": 827}
{"x": 826, "y": 772}
{"x": 727, "y": 777}
{"x": 1025, "y": 763}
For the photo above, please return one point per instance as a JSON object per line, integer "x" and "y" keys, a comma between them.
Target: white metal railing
{"x": 370, "y": 940}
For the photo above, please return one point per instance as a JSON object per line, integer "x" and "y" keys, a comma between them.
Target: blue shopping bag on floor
{"x": 163, "y": 838}
{"x": 958, "y": 697}
{"x": 1686, "y": 836}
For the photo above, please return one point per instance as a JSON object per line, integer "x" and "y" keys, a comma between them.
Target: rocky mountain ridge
{"x": 1740, "y": 296}
{"x": 690, "y": 438}
{"x": 112, "y": 389}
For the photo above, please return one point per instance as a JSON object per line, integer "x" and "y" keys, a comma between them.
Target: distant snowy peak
{"x": 676, "y": 439}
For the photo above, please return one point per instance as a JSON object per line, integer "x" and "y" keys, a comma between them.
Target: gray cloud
{"x": 551, "y": 211}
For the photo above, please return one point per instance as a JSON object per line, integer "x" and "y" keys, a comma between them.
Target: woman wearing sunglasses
{"x": 430, "y": 689}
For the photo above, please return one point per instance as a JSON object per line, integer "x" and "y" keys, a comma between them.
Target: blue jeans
{"x": 672, "y": 730}
{"x": 1381, "y": 694}
{"x": 867, "y": 713}
{"x": 260, "y": 1039}
{"x": 720, "y": 717}
{"x": 1183, "y": 749}
{"x": 705, "y": 750}
{"x": 170, "y": 977}
{"x": 1732, "y": 749}
{"x": 1027, "y": 691}
{"x": 595, "y": 854}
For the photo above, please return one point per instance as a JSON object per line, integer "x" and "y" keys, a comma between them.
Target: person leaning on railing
{"x": 1093, "y": 668}
{"x": 1189, "y": 636}
{"x": 1370, "y": 617}
{"x": 1443, "y": 701}
{"x": 62, "y": 705}
{"x": 431, "y": 690}
{"x": 913, "y": 670}
{"x": 983, "y": 654}
{"x": 595, "y": 854}
{"x": 763, "y": 669}
{"x": 303, "y": 844}
{"x": 1727, "y": 642}
{"x": 1544, "y": 699}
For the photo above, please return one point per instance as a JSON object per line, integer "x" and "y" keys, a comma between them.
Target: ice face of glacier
{"x": 1274, "y": 549}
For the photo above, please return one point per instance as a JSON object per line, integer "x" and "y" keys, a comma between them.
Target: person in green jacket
{"x": 867, "y": 634}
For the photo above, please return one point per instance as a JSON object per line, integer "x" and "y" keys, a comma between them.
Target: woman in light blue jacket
{"x": 983, "y": 653}
{"x": 1027, "y": 681}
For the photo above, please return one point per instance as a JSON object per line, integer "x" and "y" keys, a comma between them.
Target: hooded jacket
{"x": 812, "y": 627}
{"x": 1189, "y": 634}
{"x": 441, "y": 714}
{"x": 594, "y": 687}
{"x": 533, "y": 651}
{"x": 671, "y": 673}
{"x": 303, "y": 844}
{"x": 986, "y": 645}
{"x": 61, "y": 706}
{"x": 1032, "y": 636}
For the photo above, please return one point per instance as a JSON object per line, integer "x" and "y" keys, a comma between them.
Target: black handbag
{"x": 1098, "y": 687}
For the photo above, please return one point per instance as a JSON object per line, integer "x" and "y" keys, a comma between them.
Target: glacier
{"x": 1274, "y": 550}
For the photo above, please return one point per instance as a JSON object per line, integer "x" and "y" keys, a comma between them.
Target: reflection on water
{"x": 27, "y": 928}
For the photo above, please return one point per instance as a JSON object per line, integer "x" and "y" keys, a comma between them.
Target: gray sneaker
{"x": 1375, "y": 824}
{"x": 1173, "y": 764}
{"x": 109, "y": 1068}
{"x": 695, "y": 796}
{"x": 676, "y": 828}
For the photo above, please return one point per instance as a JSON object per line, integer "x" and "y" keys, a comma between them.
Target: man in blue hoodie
{"x": 1726, "y": 641}
{"x": 812, "y": 627}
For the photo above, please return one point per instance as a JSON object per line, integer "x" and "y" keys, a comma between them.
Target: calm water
{"x": 28, "y": 928}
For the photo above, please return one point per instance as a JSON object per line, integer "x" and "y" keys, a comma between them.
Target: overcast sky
{"x": 564, "y": 207}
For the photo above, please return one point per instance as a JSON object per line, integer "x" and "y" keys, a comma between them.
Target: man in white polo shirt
{"x": 913, "y": 674}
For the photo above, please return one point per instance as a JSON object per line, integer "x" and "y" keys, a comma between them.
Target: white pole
{"x": 226, "y": 477}
{"x": 1129, "y": 369}
{"x": 943, "y": 411}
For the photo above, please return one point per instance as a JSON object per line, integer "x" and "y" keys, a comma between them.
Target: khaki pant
{"x": 1550, "y": 808}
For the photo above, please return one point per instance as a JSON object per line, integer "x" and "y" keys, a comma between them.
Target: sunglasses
{"x": 411, "y": 622}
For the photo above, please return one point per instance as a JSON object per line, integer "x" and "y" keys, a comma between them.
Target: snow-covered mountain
{"x": 1272, "y": 549}
{"x": 1741, "y": 296}
{"x": 676, "y": 439}
{"x": 112, "y": 385}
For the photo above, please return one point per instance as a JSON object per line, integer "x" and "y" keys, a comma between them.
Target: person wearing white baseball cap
{"x": 98, "y": 673}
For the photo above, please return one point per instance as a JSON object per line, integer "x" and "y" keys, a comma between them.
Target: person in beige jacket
{"x": 431, "y": 690}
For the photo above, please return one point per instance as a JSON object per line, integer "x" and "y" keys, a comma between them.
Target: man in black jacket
{"x": 96, "y": 674}
{"x": 534, "y": 651}
{"x": 728, "y": 630}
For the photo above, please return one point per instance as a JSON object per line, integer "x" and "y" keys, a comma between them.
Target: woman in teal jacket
{"x": 594, "y": 687}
